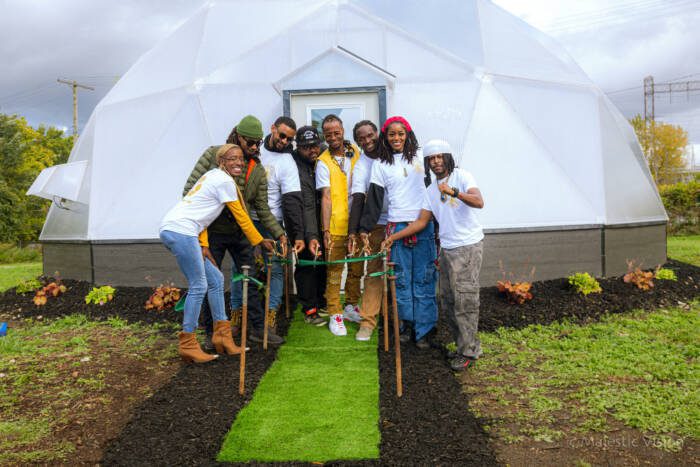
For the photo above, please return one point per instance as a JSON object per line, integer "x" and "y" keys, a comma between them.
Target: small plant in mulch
{"x": 665, "y": 274}
{"x": 30, "y": 285}
{"x": 100, "y": 295}
{"x": 642, "y": 279}
{"x": 52, "y": 289}
{"x": 164, "y": 296}
{"x": 518, "y": 292}
{"x": 584, "y": 283}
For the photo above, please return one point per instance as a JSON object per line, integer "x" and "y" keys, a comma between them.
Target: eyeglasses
{"x": 251, "y": 142}
{"x": 229, "y": 159}
{"x": 284, "y": 137}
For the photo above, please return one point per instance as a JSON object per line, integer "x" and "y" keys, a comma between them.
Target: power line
{"x": 650, "y": 13}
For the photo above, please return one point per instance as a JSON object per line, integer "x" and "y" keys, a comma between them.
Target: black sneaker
{"x": 423, "y": 343}
{"x": 406, "y": 335}
{"x": 256, "y": 335}
{"x": 461, "y": 363}
{"x": 311, "y": 317}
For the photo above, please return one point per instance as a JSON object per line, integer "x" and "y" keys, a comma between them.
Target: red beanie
{"x": 396, "y": 119}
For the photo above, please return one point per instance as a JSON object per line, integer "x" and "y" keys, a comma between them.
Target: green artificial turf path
{"x": 318, "y": 402}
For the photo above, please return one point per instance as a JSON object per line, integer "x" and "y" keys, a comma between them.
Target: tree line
{"x": 24, "y": 152}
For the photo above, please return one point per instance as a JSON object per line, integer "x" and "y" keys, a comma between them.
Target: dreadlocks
{"x": 410, "y": 147}
{"x": 447, "y": 160}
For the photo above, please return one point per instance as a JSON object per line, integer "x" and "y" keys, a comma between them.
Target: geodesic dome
{"x": 546, "y": 146}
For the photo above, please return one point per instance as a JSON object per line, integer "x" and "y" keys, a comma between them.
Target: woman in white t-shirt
{"x": 401, "y": 176}
{"x": 183, "y": 229}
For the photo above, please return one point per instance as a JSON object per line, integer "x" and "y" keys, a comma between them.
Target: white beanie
{"x": 436, "y": 146}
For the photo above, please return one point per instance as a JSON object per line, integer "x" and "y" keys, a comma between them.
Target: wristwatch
{"x": 455, "y": 192}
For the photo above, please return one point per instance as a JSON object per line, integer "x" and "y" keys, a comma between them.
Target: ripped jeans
{"x": 416, "y": 279}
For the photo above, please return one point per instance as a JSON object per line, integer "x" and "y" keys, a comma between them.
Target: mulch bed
{"x": 186, "y": 420}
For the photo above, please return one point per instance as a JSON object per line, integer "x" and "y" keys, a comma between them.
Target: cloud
{"x": 617, "y": 43}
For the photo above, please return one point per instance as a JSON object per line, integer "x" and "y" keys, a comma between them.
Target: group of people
{"x": 329, "y": 199}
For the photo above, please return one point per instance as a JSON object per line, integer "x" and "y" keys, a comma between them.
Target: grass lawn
{"x": 318, "y": 402}
{"x": 13, "y": 274}
{"x": 545, "y": 383}
{"x": 69, "y": 383}
{"x": 686, "y": 249}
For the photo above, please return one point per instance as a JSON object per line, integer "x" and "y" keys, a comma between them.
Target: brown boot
{"x": 236, "y": 318}
{"x": 190, "y": 350}
{"x": 222, "y": 339}
{"x": 272, "y": 319}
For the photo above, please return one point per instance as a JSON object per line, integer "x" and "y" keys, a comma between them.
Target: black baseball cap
{"x": 307, "y": 135}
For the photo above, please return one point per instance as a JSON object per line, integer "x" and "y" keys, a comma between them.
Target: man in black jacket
{"x": 310, "y": 280}
{"x": 284, "y": 198}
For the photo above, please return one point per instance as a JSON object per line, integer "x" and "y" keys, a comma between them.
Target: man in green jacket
{"x": 225, "y": 234}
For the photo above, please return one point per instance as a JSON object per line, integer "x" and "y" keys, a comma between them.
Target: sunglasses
{"x": 251, "y": 142}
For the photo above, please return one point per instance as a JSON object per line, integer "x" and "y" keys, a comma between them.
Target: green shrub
{"x": 10, "y": 253}
{"x": 682, "y": 203}
{"x": 30, "y": 285}
{"x": 666, "y": 274}
{"x": 100, "y": 295}
{"x": 584, "y": 283}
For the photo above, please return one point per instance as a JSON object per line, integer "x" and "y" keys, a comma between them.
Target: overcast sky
{"x": 617, "y": 42}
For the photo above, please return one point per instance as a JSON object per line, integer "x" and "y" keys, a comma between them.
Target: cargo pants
{"x": 459, "y": 295}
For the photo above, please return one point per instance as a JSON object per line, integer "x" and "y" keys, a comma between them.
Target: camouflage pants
{"x": 459, "y": 295}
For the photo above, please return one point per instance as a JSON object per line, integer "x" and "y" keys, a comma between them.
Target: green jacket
{"x": 254, "y": 195}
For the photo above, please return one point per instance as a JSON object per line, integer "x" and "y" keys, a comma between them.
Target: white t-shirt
{"x": 403, "y": 186}
{"x": 202, "y": 204}
{"x": 360, "y": 183}
{"x": 458, "y": 223}
{"x": 323, "y": 174}
{"x": 282, "y": 178}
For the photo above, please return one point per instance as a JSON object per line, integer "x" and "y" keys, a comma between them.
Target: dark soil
{"x": 555, "y": 300}
{"x": 185, "y": 421}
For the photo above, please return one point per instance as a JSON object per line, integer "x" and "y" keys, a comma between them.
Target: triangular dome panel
{"x": 237, "y": 28}
{"x": 575, "y": 147}
{"x": 514, "y": 48}
{"x": 170, "y": 65}
{"x": 516, "y": 173}
{"x": 449, "y": 25}
{"x": 223, "y": 106}
{"x": 170, "y": 157}
{"x": 632, "y": 198}
{"x": 446, "y": 109}
{"x": 285, "y": 50}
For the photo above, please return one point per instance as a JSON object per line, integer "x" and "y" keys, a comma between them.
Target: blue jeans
{"x": 203, "y": 278}
{"x": 416, "y": 279}
{"x": 276, "y": 279}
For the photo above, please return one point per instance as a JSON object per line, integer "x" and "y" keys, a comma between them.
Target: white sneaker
{"x": 352, "y": 313}
{"x": 337, "y": 326}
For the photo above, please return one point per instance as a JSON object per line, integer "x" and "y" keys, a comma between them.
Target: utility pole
{"x": 75, "y": 85}
{"x": 648, "y": 98}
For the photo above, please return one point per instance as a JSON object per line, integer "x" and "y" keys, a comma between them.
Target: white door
{"x": 351, "y": 107}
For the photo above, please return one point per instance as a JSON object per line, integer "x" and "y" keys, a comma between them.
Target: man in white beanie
{"x": 452, "y": 198}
